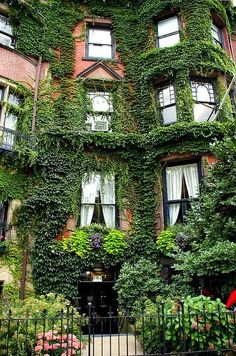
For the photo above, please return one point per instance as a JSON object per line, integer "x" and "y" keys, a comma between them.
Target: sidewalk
{"x": 113, "y": 345}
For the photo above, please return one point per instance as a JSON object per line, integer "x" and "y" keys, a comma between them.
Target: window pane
{"x": 167, "y": 26}
{"x": 6, "y": 40}
{"x": 203, "y": 112}
{"x": 168, "y": 41}
{"x": 10, "y": 121}
{"x": 167, "y": 96}
{"x": 100, "y": 102}
{"x": 4, "y": 25}
{"x": 100, "y": 51}
{"x": 203, "y": 91}
{"x": 203, "y": 94}
{"x": 14, "y": 99}
{"x": 216, "y": 34}
{"x": 100, "y": 36}
{"x": 169, "y": 115}
{"x": 1, "y": 93}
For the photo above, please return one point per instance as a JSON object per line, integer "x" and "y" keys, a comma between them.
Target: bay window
{"x": 167, "y": 102}
{"x": 168, "y": 32}
{"x": 204, "y": 98}
{"x": 99, "y": 112}
{"x": 98, "y": 200}
{"x": 6, "y": 35}
{"x": 181, "y": 183}
{"x": 99, "y": 42}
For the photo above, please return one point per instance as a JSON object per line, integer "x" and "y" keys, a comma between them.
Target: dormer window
{"x": 99, "y": 44}
{"x": 167, "y": 102}
{"x": 205, "y": 101}
{"x": 6, "y": 34}
{"x": 99, "y": 111}
{"x": 216, "y": 35}
{"x": 168, "y": 32}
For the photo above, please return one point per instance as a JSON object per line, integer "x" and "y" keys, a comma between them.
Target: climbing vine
{"x": 132, "y": 151}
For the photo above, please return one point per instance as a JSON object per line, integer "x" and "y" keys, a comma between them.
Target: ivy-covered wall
{"x": 138, "y": 141}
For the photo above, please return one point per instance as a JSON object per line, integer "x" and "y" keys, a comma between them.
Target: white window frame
{"x": 170, "y": 34}
{"x": 6, "y": 35}
{"x": 99, "y": 115}
{"x": 104, "y": 45}
{"x": 167, "y": 103}
{"x": 94, "y": 186}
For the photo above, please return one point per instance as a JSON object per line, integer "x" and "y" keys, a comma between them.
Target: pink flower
{"x": 38, "y": 348}
{"x": 41, "y": 335}
{"x": 72, "y": 337}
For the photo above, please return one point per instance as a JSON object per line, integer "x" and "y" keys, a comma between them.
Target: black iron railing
{"x": 179, "y": 332}
{"x": 10, "y": 139}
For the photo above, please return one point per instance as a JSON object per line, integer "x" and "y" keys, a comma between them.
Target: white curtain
{"x": 90, "y": 186}
{"x": 174, "y": 178}
{"x": 191, "y": 179}
{"x": 107, "y": 190}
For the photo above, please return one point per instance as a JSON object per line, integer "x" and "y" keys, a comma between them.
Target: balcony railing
{"x": 10, "y": 139}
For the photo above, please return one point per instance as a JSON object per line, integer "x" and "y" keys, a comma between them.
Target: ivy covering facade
{"x": 49, "y": 183}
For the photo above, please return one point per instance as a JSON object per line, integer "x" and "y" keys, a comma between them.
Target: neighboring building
{"x": 120, "y": 115}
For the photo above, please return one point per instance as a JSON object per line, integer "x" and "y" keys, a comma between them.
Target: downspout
{"x": 26, "y": 252}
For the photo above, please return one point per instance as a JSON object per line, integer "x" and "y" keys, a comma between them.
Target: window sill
{"x": 100, "y": 59}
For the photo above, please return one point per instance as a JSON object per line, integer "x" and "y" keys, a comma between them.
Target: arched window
{"x": 99, "y": 111}
{"x": 205, "y": 102}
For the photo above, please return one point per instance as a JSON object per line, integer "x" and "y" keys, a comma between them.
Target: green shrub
{"x": 166, "y": 242}
{"x": 19, "y": 329}
{"x": 138, "y": 281}
{"x": 197, "y": 324}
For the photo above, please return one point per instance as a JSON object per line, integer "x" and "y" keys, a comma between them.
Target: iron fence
{"x": 9, "y": 139}
{"x": 179, "y": 332}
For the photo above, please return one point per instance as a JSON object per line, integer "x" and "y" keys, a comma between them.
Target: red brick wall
{"x": 17, "y": 67}
{"x": 233, "y": 38}
{"x": 80, "y": 64}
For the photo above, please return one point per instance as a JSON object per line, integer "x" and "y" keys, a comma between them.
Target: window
{"x": 10, "y": 103}
{"x": 99, "y": 43}
{"x": 168, "y": 32}
{"x": 100, "y": 110}
{"x": 167, "y": 102}
{"x": 181, "y": 183}
{"x": 98, "y": 200}
{"x": 205, "y": 102}
{"x": 6, "y": 35}
{"x": 234, "y": 3}
{"x": 3, "y": 221}
{"x": 216, "y": 35}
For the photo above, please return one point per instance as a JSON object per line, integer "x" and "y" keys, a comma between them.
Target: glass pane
{"x": 6, "y": 40}
{"x": 167, "y": 26}
{"x": 203, "y": 94}
{"x": 100, "y": 36}
{"x": 10, "y": 121}
{"x": 216, "y": 34}
{"x": 168, "y": 41}
{"x": 14, "y": 99}
{"x": 4, "y": 25}
{"x": 167, "y": 96}
{"x": 1, "y": 93}
{"x": 203, "y": 112}
{"x": 169, "y": 115}
{"x": 100, "y": 51}
{"x": 100, "y": 102}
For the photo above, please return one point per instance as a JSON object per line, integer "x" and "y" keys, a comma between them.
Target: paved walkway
{"x": 114, "y": 345}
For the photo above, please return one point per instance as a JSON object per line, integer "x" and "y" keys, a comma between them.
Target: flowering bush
{"x": 63, "y": 345}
